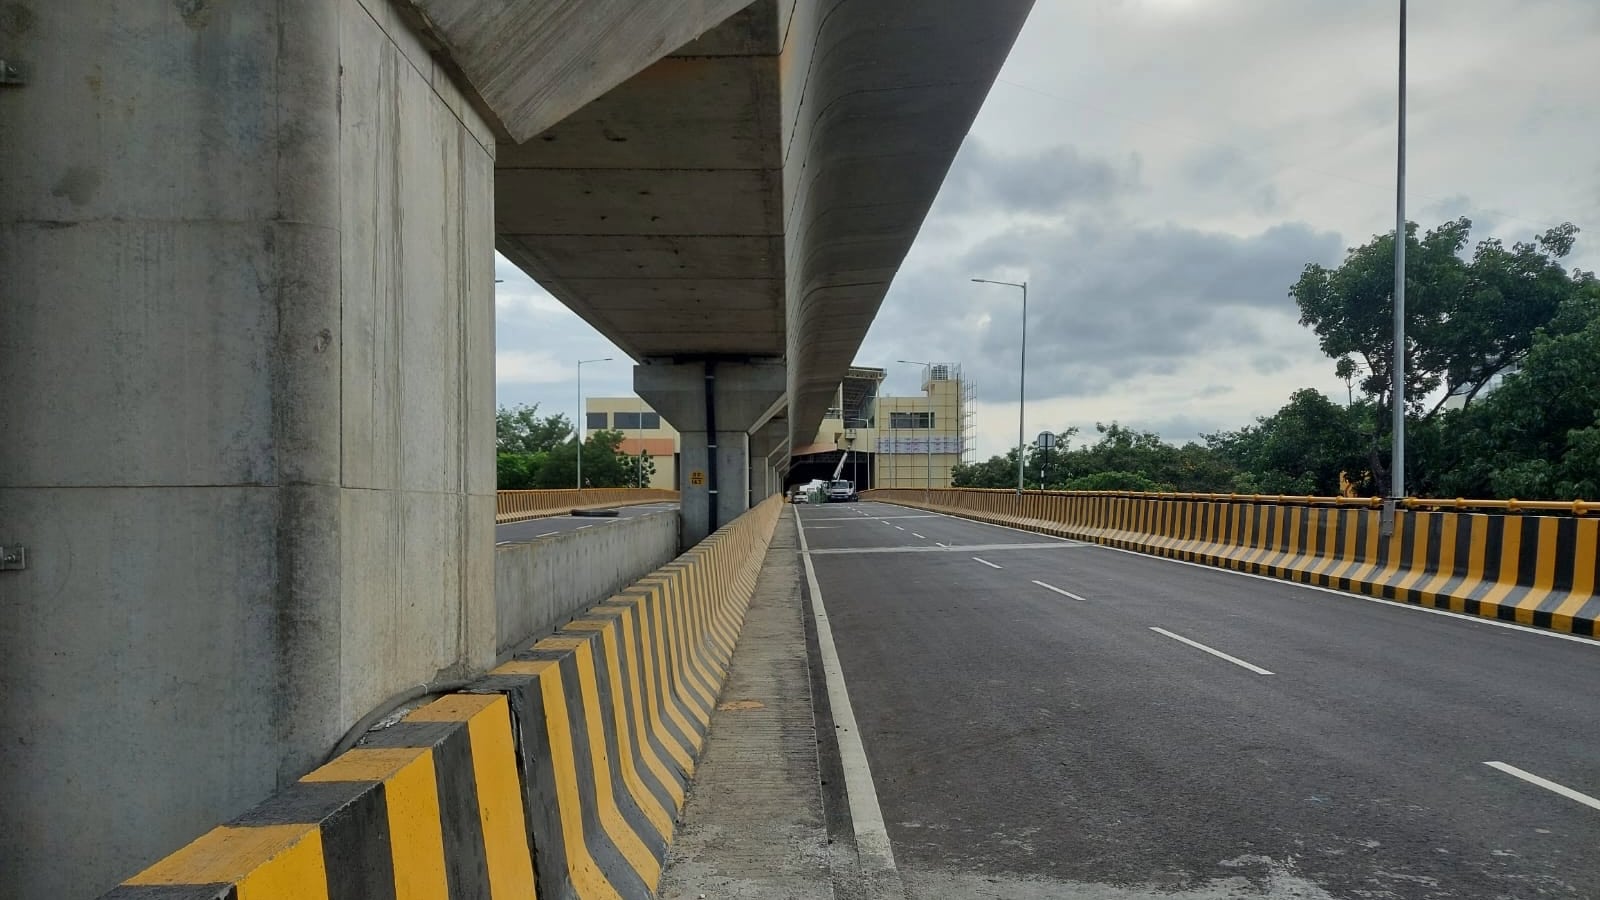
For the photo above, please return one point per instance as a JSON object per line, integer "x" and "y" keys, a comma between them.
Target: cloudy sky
{"x": 1159, "y": 171}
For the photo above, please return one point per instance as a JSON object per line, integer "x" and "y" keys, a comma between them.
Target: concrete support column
{"x": 247, "y": 344}
{"x": 713, "y": 405}
{"x": 764, "y": 442}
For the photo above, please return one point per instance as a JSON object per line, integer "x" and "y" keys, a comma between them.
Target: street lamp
{"x": 1397, "y": 462}
{"x": 1022, "y": 371}
{"x": 927, "y": 442}
{"x": 578, "y": 426}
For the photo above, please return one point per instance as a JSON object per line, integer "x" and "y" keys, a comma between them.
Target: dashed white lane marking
{"x": 987, "y": 563}
{"x": 872, "y": 836}
{"x": 582, "y": 527}
{"x": 1051, "y": 587}
{"x": 898, "y": 528}
{"x": 915, "y": 535}
{"x": 1546, "y": 783}
{"x": 1211, "y": 650}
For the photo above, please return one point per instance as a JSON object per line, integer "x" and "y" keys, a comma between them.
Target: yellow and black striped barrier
{"x": 1538, "y": 570}
{"x": 558, "y": 775}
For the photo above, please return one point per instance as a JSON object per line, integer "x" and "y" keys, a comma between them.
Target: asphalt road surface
{"x": 527, "y": 530}
{"x": 1050, "y": 719}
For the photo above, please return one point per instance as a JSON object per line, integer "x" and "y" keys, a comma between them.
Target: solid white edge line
{"x": 872, "y": 836}
{"x": 1387, "y": 604}
{"x": 1545, "y": 783}
{"x": 1211, "y": 650}
{"x": 1051, "y": 587}
{"x": 987, "y": 563}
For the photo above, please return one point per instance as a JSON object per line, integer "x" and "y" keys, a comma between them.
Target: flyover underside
{"x": 655, "y": 212}
{"x": 752, "y": 195}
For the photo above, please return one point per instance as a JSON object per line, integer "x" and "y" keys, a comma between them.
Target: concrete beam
{"x": 531, "y": 63}
{"x": 867, "y": 148}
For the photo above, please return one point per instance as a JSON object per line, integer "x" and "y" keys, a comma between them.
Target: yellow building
{"x": 642, "y": 428}
{"x": 884, "y": 441}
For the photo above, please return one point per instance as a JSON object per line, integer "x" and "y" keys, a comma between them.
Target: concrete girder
{"x": 530, "y": 63}
{"x": 870, "y": 137}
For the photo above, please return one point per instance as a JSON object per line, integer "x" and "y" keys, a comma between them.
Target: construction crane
{"x": 839, "y": 469}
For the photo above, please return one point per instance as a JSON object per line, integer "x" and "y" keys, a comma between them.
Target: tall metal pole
{"x": 1022, "y": 387}
{"x": 578, "y": 426}
{"x": 1022, "y": 378}
{"x": 1397, "y": 391}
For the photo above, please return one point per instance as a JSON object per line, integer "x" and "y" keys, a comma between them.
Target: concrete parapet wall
{"x": 515, "y": 506}
{"x": 561, "y": 774}
{"x": 1534, "y": 570}
{"x": 549, "y": 579}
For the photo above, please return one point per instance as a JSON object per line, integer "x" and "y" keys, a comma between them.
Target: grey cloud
{"x": 1107, "y": 303}
{"x": 1268, "y": 363}
{"x": 1051, "y": 181}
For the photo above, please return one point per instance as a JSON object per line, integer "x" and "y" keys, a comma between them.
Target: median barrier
{"x": 515, "y": 506}
{"x": 559, "y": 774}
{"x": 1504, "y": 564}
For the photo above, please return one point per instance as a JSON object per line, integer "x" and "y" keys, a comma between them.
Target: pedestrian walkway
{"x": 753, "y": 825}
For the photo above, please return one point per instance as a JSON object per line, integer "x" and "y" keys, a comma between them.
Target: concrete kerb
{"x": 559, "y": 774}
{"x": 1539, "y": 571}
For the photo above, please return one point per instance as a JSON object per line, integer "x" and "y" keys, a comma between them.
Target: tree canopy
{"x": 537, "y": 452}
{"x": 1469, "y": 319}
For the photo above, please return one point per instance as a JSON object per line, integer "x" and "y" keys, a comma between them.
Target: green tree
{"x": 604, "y": 465}
{"x": 520, "y": 429}
{"x": 995, "y": 472}
{"x": 1300, "y": 449}
{"x": 1536, "y": 436}
{"x": 1468, "y": 321}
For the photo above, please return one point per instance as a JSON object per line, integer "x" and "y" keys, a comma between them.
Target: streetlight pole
{"x": 579, "y": 425}
{"x": 1397, "y": 390}
{"x": 927, "y": 443}
{"x": 640, "y": 423}
{"x": 1022, "y": 374}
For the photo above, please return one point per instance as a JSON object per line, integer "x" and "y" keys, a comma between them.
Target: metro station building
{"x": 884, "y": 441}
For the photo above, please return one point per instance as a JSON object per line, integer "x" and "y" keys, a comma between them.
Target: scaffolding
{"x": 921, "y": 439}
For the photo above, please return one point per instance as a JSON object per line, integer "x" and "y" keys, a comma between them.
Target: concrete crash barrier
{"x": 428, "y": 807}
{"x": 1538, "y": 570}
{"x": 560, "y": 774}
{"x": 514, "y": 506}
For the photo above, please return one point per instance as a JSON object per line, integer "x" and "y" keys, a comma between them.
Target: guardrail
{"x": 1573, "y": 507}
{"x": 514, "y": 506}
{"x": 1539, "y": 570}
{"x": 559, "y": 774}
